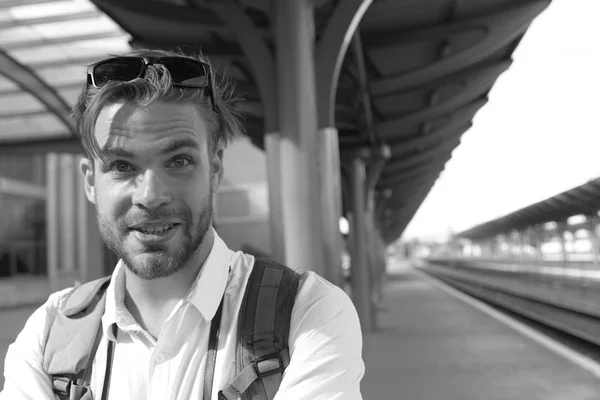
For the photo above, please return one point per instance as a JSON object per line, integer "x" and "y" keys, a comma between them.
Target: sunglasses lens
{"x": 120, "y": 69}
{"x": 186, "y": 72}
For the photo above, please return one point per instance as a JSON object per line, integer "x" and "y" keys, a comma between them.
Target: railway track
{"x": 522, "y": 296}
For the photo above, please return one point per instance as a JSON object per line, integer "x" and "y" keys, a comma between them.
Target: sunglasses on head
{"x": 184, "y": 72}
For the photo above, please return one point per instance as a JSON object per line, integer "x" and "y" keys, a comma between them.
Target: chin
{"x": 153, "y": 265}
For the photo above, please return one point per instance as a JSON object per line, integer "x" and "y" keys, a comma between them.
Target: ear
{"x": 216, "y": 164}
{"x": 86, "y": 167}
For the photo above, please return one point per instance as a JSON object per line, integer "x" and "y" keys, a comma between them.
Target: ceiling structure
{"x": 581, "y": 200}
{"x": 427, "y": 67}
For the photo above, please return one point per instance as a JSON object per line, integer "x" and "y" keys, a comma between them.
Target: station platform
{"x": 434, "y": 343}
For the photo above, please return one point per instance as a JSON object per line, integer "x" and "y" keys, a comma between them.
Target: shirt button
{"x": 159, "y": 359}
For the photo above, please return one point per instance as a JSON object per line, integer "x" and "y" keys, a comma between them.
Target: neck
{"x": 151, "y": 301}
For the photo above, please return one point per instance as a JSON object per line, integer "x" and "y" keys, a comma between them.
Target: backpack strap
{"x": 76, "y": 329}
{"x": 264, "y": 326}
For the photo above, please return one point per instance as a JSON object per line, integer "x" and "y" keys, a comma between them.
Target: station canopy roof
{"x": 584, "y": 199}
{"x": 429, "y": 66}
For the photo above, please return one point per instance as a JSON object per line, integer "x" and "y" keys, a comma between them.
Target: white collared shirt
{"x": 325, "y": 341}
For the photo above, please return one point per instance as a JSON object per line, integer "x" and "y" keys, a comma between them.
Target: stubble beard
{"x": 159, "y": 262}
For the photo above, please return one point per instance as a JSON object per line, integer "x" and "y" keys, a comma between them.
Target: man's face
{"x": 153, "y": 197}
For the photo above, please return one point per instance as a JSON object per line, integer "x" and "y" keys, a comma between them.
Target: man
{"x": 154, "y": 127}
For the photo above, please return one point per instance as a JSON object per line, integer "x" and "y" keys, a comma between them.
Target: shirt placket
{"x": 159, "y": 374}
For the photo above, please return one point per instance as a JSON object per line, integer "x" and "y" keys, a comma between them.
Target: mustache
{"x": 142, "y": 216}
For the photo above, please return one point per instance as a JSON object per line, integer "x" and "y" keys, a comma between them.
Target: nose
{"x": 151, "y": 192}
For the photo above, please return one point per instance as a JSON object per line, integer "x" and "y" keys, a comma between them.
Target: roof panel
{"x": 83, "y": 50}
{"x": 48, "y": 32}
{"x": 551, "y": 209}
{"x": 54, "y": 40}
{"x": 49, "y": 9}
{"x": 31, "y": 127}
{"x": 17, "y": 35}
{"x": 6, "y": 84}
{"x": 64, "y": 74}
{"x": 22, "y": 102}
{"x": 408, "y": 45}
{"x": 70, "y": 94}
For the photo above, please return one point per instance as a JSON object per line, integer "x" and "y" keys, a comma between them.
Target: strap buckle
{"x": 265, "y": 366}
{"x": 61, "y": 385}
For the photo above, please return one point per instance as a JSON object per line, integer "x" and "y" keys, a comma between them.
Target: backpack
{"x": 262, "y": 347}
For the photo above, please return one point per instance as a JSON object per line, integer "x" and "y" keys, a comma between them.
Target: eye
{"x": 181, "y": 162}
{"x": 120, "y": 167}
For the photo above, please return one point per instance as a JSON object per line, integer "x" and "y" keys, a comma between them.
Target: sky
{"x": 539, "y": 133}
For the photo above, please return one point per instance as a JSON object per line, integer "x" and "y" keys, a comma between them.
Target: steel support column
{"x": 330, "y": 53}
{"x": 361, "y": 293}
{"x": 592, "y": 223}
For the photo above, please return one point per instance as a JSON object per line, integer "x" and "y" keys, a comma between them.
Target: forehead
{"x": 127, "y": 122}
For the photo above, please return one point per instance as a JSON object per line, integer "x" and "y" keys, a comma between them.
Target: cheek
{"x": 109, "y": 202}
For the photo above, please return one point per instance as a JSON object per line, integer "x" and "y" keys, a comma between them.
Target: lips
{"x": 154, "y": 229}
{"x": 155, "y": 233}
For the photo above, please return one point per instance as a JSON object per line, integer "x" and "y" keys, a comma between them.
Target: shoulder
{"x": 319, "y": 304}
{"x": 30, "y": 342}
{"x": 315, "y": 289}
{"x": 41, "y": 320}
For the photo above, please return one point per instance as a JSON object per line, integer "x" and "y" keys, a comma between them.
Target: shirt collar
{"x": 209, "y": 286}
{"x": 205, "y": 294}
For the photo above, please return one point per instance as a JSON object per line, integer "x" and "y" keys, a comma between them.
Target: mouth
{"x": 154, "y": 232}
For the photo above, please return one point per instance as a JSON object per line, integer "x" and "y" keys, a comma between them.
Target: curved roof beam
{"x": 204, "y": 18}
{"x": 32, "y": 83}
{"x": 425, "y": 157}
{"x": 451, "y": 137}
{"x": 447, "y": 119}
{"x": 260, "y": 56}
{"x": 502, "y": 28}
{"x": 419, "y": 173}
{"x": 454, "y": 129}
{"x": 478, "y": 82}
{"x": 229, "y": 50}
{"x": 330, "y": 53}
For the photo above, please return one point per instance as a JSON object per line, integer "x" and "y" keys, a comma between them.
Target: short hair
{"x": 224, "y": 121}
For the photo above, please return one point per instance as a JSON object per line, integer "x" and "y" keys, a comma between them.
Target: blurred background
{"x": 393, "y": 146}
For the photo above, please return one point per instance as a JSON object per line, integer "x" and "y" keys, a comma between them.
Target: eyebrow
{"x": 178, "y": 144}
{"x": 166, "y": 148}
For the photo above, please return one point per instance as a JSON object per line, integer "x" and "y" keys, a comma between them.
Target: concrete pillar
{"x": 330, "y": 190}
{"x": 592, "y": 223}
{"x": 303, "y": 164}
{"x": 67, "y": 223}
{"x": 494, "y": 247}
{"x": 560, "y": 232}
{"x": 360, "y": 279}
{"x": 523, "y": 241}
{"x": 52, "y": 218}
{"x": 539, "y": 237}
{"x": 90, "y": 257}
{"x": 293, "y": 160}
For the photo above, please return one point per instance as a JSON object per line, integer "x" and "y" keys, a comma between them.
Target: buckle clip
{"x": 265, "y": 365}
